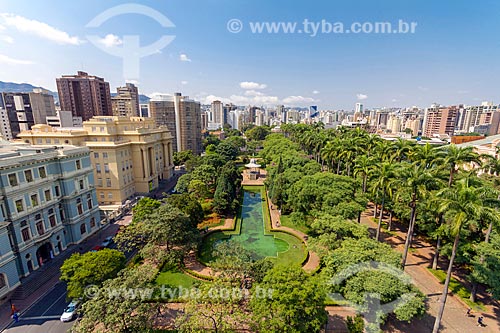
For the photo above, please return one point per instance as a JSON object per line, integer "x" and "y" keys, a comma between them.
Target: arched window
{"x": 83, "y": 228}
{"x": 3, "y": 282}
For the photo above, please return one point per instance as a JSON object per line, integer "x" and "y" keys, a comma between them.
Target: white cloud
{"x": 2, "y": 28}
{"x": 208, "y": 99}
{"x": 6, "y": 39}
{"x": 252, "y": 85}
{"x": 297, "y": 100}
{"x": 111, "y": 40}
{"x": 184, "y": 57}
{"x": 39, "y": 29}
{"x": 184, "y": 83}
{"x": 253, "y": 93}
{"x": 422, "y": 88}
{"x": 361, "y": 96}
{"x": 11, "y": 61}
{"x": 315, "y": 92}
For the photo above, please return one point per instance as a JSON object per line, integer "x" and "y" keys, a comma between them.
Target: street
{"x": 43, "y": 316}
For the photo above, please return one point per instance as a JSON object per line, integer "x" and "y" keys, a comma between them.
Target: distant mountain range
{"x": 22, "y": 87}
{"x": 26, "y": 87}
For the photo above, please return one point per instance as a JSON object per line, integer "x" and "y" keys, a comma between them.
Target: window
{"x": 39, "y": 141}
{"x": 34, "y": 200}
{"x": 105, "y": 155}
{"x": 101, "y": 194}
{"x": 78, "y": 164}
{"x": 106, "y": 167}
{"x": 13, "y": 179}
{"x": 98, "y": 167}
{"x": 110, "y": 195}
{"x": 19, "y": 205}
{"x": 79, "y": 206}
{"x": 3, "y": 283}
{"x": 56, "y": 188}
{"x": 47, "y": 141}
{"x": 28, "y": 175}
{"x": 96, "y": 155}
{"x": 99, "y": 182}
{"x": 42, "y": 172}
{"x": 108, "y": 182}
{"x": 25, "y": 233}
{"x": 93, "y": 128}
{"x": 56, "y": 141}
{"x": 83, "y": 229}
{"x": 47, "y": 195}
{"x": 39, "y": 224}
{"x": 52, "y": 218}
{"x": 89, "y": 201}
{"x": 81, "y": 184}
{"x": 92, "y": 222}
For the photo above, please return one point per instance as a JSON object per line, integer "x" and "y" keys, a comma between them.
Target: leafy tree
{"x": 486, "y": 265}
{"x": 182, "y": 185}
{"x": 216, "y": 308}
{"x": 355, "y": 324}
{"x": 119, "y": 305}
{"x": 257, "y": 133}
{"x": 189, "y": 206}
{"x": 91, "y": 268}
{"x": 296, "y": 303}
{"x": 232, "y": 261}
{"x": 199, "y": 189}
{"x": 182, "y": 156}
{"x": 228, "y": 150}
{"x": 211, "y": 140}
{"x": 237, "y": 141}
{"x": 144, "y": 207}
{"x": 227, "y": 187}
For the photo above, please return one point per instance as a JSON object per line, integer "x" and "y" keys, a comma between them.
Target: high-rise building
{"x": 47, "y": 202}
{"x": 359, "y": 108}
{"x": 440, "y": 120}
{"x": 64, "y": 119}
{"x": 20, "y": 111}
{"x": 129, "y": 155}
{"x": 84, "y": 95}
{"x": 126, "y": 101}
{"x": 182, "y": 116}
{"x": 144, "y": 110}
{"x": 217, "y": 109}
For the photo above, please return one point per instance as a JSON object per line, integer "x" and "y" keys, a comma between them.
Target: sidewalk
{"x": 41, "y": 281}
{"x": 454, "y": 318}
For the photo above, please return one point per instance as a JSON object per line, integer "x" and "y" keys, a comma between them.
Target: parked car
{"x": 96, "y": 248}
{"x": 107, "y": 241}
{"x": 70, "y": 311}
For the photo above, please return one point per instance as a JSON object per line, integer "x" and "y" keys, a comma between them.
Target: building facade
{"x": 48, "y": 202}
{"x": 440, "y": 120}
{"x": 126, "y": 101}
{"x": 20, "y": 111}
{"x": 129, "y": 155}
{"x": 84, "y": 95}
{"x": 183, "y": 117}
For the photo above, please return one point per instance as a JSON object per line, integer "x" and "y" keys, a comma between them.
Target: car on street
{"x": 70, "y": 311}
{"x": 107, "y": 241}
{"x": 96, "y": 248}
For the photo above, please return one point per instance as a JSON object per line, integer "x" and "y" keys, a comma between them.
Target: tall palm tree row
{"x": 416, "y": 182}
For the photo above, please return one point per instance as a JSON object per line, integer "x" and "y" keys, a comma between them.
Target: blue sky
{"x": 451, "y": 58}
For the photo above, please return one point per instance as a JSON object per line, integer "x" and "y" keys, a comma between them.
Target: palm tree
{"x": 457, "y": 156}
{"x": 461, "y": 204}
{"x": 427, "y": 155}
{"x": 383, "y": 177}
{"x": 401, "y": 149}
{"x": 419, "y": 180}
{"x": 363, "y": 165}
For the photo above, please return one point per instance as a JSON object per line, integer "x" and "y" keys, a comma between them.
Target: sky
{"x": 452, "y": 56}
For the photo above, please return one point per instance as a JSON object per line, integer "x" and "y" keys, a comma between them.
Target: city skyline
{"x": 442, "y": 61}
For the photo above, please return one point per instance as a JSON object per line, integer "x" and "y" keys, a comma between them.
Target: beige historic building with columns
{"x": 129, "y": 155}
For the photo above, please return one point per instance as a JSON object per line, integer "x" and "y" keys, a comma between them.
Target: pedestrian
{"x": 468, "y": 312}
{"x": 15, "y": 316}
{"x": 480, "y": 321}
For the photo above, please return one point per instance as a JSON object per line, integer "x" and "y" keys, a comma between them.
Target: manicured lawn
{"x": 176, "y": 278}
{"x": 296, "y": 252}
{"x": 458, "y": 289}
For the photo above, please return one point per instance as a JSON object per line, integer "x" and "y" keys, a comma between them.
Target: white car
{"x": 70, "y": 311}
{"x": 107, "y": 241}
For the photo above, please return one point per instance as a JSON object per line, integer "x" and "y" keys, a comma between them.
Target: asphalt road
{"x": 43, "y": 316}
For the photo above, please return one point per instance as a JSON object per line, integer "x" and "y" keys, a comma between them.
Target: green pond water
{"x": 252, "y": 236}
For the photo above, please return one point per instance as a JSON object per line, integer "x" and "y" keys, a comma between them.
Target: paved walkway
{"x": 454, "y": 318}
{"x": 41, "y": 281}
